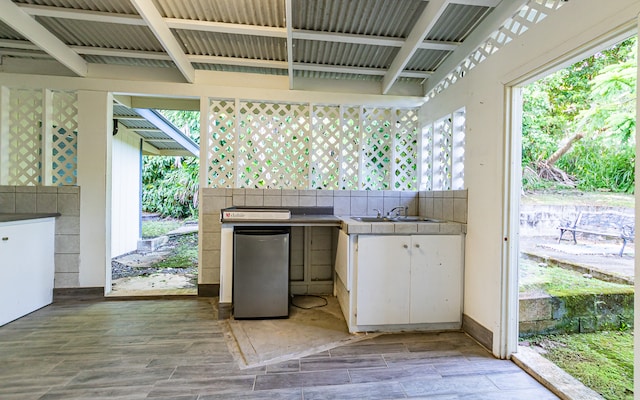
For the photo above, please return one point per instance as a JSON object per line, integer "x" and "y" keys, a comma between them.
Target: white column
{"x": 95, "y": 126}
{"x": 636, "y": 314}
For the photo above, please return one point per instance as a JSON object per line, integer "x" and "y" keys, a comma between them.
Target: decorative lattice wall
{"x": 302, "y": 146}
{"x": 43, "y": 137}
{"x": 443, "y": 144}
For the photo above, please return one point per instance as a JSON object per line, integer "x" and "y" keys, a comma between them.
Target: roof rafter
{"x": 427, "y": 20}
{"x": 28, "y": 27}
{"x": 289, "y": 25}
{"x": 156, "y": 23}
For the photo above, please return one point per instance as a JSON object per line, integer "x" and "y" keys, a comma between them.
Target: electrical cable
{"x": 308, "y": 295}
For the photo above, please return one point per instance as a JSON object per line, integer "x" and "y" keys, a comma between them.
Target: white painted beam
{"x": 223, "y": 27}
{"x": 489, "y": 25}
{"x": 154, "y": 20}
{"x": 427, "y": 20}
{"x": 289, "y": 25}
{"x": 356, "y": 70}
{"x": 82, "y": 15}
{"x": 243, "y": 62}
{"x": 22, "y": 23}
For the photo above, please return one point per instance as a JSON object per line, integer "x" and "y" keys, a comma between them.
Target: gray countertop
{"x": 309, "y": 220}
{"x": 11, "y": 217}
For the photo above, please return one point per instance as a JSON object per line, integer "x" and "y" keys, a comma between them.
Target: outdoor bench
{"x": 609, "y": 223}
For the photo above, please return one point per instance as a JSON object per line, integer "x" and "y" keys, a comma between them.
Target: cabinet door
{"x": 436, "y": 278}
{"x": 26, "y": 268}
{"x": 383, "y": 280}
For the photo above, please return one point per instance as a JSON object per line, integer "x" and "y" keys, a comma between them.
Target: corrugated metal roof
{"x": 247, "y": 12}
{"x": 457, "y": 22}
{"x": 103, "y": 35}
{"x": 155, "y": 130}
{"x": 231, "y": 45}
{"x": 343, "y": 54}
{"x": 392, "y": 18}
{"x": 332, "y": 39}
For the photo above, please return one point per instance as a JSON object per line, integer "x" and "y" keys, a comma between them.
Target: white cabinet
{"x": 383, "y": 280}
{"x": 408, "y": 279}
{"x": 26, "y": 267}
{"x": 436, "y": 279}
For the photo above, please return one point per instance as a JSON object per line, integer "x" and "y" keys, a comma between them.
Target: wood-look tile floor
{"x": 175, "y": 349}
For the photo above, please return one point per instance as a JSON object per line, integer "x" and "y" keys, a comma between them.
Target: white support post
{"x": 95, "y": 126}
{"x": 4, "y": 135}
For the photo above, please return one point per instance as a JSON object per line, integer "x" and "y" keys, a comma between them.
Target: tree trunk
{"x": 563, "y": 149}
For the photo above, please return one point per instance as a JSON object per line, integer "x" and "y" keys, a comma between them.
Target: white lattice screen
{"x": 300, "y": 146}
{"x": 64, "y": 120}
{"x": 43, "y": 136}
{"x": 25, "y": 137}
{"x": 443, "y": 144}
{"x": 530, "y": 14}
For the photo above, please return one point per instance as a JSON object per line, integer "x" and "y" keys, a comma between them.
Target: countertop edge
{"x": 9, "y": 217}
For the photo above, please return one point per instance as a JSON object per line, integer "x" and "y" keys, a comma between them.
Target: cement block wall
{"x": 50, "y": 199}
{"x": 575, "y": 314}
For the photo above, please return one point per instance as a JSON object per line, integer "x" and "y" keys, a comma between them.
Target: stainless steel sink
{"x": 410, "y": 218}
{"x": 373, "y": 219}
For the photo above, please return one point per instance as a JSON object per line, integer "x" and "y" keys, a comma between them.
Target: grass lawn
{"x": 155, "y": 228}
{"x": 558, "y": 281}
{"x": 184, "y": 254}
{"x": 602, "y": 361}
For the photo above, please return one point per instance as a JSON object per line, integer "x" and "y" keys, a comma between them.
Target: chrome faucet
{"x": 398, "y": 211}
{"x": 378, "y": 213}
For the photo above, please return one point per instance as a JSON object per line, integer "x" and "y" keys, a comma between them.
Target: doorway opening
{"x": 164, "y": 202}
{"x": 574, "y": 134}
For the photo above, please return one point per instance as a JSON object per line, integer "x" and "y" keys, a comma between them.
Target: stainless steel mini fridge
{"x": 261, "y": 273}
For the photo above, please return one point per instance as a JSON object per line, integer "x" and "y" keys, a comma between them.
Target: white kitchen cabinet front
{"x": 26, "y": 267}
{"x": 408, "y": 279}
{"x": 436, "y": 278}
{"x": 383, "y": 280}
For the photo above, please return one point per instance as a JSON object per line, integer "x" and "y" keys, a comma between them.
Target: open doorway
{"x": 576, "y": 216}
{"x": 158, "y": 185}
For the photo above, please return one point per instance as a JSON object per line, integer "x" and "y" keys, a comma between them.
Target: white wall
{"x": 482, "y": 92}
{"x": 125, "y": 192}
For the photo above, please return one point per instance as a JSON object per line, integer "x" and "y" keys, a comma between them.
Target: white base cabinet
{"x": 408, "y": 279}
{"x": 26, "y": 267}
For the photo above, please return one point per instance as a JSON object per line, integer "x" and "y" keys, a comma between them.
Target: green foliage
{"x": 170, "y": 184}
{"x": 595, "y": 97}
{"x": 601, "y": 166}
{"x": 602, "y": 361}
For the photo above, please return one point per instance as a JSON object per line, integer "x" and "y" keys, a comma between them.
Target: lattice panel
{"x": 25, "y": 137}
{"x": 273, "y": 147}
{"x": 426, "y": 150}
{"x": 349, "y": 148}
{"x": 377, "y": 148}
{"x": 65, "y": 138}
{"x": 405, "y": 150}
{"x": 442, "y": 147}
{"x": 221, "y": 143}
{"x": 325, "y": 147}
{"x": 458, "y": 149}
{"x": 530, "y": 14}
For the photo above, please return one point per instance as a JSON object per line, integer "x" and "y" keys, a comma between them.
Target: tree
{"x": 593, "y": 99}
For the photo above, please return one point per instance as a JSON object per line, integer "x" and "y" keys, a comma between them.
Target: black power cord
{"x": 293, "y": 297}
